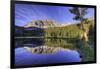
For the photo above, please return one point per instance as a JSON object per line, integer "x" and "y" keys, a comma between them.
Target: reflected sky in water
{"x": 24, "y": 57}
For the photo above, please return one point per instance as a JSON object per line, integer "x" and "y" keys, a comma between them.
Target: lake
{"x": 24, "y": 57}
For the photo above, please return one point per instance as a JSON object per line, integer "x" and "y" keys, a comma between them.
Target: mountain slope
{"x": 41, "y": 24}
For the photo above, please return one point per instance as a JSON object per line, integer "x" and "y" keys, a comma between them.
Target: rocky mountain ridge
{"x": 41, "y": 24}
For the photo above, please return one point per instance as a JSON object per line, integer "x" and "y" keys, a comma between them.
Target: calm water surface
{"x": 24, "y": 57}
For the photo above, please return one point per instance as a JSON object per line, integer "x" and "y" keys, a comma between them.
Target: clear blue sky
{"x": 25, "y": 13}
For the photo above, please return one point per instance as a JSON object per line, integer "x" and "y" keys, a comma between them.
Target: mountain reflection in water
{"x": 25, "y": 57}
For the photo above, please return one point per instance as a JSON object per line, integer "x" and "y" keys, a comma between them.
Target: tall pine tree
{"x": 79, "y": 16}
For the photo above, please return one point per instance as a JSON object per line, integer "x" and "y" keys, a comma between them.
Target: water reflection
{"x": 28, "y": 42}
{"x": 62, "y": 42}
{"x": 37, "y": 51}
{"x": 55, "y": 42}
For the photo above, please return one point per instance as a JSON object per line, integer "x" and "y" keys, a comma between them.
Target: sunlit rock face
{"x": 44, "y": 49}
{"x": 41, "y": 24}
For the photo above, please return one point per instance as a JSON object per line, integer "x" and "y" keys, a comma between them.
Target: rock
{"x": 41, "y": 24}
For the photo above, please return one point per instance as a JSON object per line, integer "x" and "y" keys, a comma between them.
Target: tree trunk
{"x": 85, "y": 36}
{"x": 85, "y": 32}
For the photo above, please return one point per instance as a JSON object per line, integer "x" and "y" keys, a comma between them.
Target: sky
{"x": 25, "y": 13}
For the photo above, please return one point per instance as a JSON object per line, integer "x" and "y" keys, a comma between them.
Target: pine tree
{"x": 79, "y": 15}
